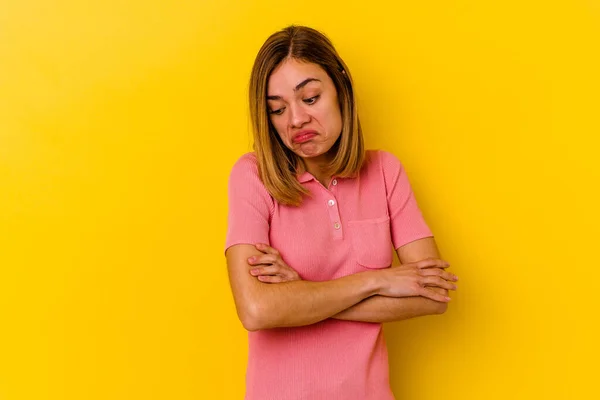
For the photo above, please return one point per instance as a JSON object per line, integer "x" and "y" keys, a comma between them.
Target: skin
{"x": 301, "y": 96}
{"x": 419, "y": 261}
{"x": 268, "y": 293}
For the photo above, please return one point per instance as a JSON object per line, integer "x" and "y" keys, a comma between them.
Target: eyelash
{"x": 314, "y": 99}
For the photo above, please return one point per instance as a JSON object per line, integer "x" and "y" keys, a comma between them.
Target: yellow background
{"x": 120, "y": 120}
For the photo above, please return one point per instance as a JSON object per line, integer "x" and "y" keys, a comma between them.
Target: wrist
{"x": 373, "y": 283}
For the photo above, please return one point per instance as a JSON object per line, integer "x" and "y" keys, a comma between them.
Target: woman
{"x": 312, "y": 221}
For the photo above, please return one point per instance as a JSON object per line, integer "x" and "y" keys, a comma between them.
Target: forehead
{"x": 290, "y": 73}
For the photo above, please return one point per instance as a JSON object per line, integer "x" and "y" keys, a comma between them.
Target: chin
{"x": 314, "y": 151}
{"x": 312, "y": 154}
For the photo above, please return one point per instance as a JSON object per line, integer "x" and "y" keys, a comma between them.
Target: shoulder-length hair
{"x": 278, "y": 165}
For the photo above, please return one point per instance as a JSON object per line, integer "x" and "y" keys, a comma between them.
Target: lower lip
{"x": 304, "y": 138}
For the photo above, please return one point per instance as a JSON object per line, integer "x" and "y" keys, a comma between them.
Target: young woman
{"x": 313, "y": 221}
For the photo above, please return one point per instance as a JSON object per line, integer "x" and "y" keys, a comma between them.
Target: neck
{"x": 316, "y": 166}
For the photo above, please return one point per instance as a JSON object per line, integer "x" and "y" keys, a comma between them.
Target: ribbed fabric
{"x": 348, "y": 227}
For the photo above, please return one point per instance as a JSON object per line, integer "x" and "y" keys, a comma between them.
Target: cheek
{"x": 333, "y": 119}
{"x": 338, "y": 122}
{"x": 279, "y": 126}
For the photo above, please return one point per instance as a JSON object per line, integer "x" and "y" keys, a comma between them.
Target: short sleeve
{"x": 250, "y": 204}
{"x": 406, "y": 220}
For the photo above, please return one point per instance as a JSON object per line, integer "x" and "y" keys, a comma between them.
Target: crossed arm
{"x": 388, "y": 309}
{"x": 366, "y": 296}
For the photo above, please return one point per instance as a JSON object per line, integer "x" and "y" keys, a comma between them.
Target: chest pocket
{"x": 371, "y": 242}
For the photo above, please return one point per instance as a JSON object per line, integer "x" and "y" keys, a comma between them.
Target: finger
{"x": 443, "y": 265}
{"x": 438, "y": 282}
{"x": 290, "y": 276}
{"x": 449, "y": 276}
{"x": 270, "y": 278}
{"x": 432, "y": 262}
{"x": 438, "y": 290}
{"x": 287, "y": 274}
{"x": 265, "y": 248}
{"x": 432, "y": 271}
{"x": 262, "y": 259}
{"x": 430, "y": 294}
{"x": 266, "y": 270}
{"x": 438, "y": 272}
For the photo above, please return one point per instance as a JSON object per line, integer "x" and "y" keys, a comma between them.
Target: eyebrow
{"x": 298, "y": 87}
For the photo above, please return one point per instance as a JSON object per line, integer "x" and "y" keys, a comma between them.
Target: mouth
{"x": 303, "y": 136}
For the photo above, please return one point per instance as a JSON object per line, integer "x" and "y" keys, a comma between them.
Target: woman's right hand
{"x": 417, "y": 279}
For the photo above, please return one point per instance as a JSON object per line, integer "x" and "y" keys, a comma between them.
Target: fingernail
{"x": 254, "y": 271}
{"x": 455, "y": 277}
{"x": 251, "y": 259}
{"x": 448, "y": 298}
{"x": 258, "y": 244}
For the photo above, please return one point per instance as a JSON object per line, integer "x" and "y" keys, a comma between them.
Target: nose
{"x": 298, "y": 116}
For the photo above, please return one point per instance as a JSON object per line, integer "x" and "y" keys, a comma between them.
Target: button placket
{"x": 334, "y": 216}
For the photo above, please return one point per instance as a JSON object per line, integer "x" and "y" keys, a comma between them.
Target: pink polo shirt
{"x": 347, "y": 227}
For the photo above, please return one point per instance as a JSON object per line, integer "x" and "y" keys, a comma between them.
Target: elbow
{"x": 252, "y": 317}
{"x": 250, "y": 324}
{"x": 441, "y": 308}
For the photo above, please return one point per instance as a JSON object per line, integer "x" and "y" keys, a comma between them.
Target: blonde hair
{"x": 278, "y": 165}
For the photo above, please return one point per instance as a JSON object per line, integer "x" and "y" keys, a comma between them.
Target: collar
{"x": 305, "y": 177}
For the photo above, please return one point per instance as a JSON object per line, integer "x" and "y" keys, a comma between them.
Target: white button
{"x": 336, "y": 225}
{"x": 331, "y": 202}
{"x": 334, "y": 182}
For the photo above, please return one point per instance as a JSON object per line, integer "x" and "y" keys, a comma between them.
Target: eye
{"x": 277, "y": 112}
{"x": 312, "y": 100}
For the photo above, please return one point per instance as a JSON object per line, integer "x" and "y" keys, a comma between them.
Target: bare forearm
{"x": 300, "y": 303}
{"x": 295, "y": 302}
{"x": 388, "y": 309}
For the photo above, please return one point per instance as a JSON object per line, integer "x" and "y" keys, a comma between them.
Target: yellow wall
{"x": 120, "y": 120}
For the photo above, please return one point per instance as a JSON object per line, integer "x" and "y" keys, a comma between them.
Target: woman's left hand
{"x": 270, "y": 267}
